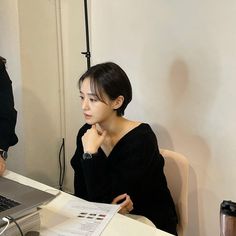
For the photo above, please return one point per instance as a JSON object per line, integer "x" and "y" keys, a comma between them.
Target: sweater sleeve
{"x": 91, "y": 181}
{"x": 8, "y": 114}
{"x": 79, "y": 181}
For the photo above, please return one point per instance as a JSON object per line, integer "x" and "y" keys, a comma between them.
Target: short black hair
{"x": 111, "y": 79}
{"x": 3, "y": 60}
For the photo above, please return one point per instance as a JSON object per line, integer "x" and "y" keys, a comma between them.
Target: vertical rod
{"x": 87, "y": 53}
{"x": 60, "y": 60}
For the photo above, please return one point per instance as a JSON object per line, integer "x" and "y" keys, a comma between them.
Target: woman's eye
{"x": 81, "y": 97}
{"x": 92, "y": 99}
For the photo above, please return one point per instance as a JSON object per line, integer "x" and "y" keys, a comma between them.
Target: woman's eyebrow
{"x": 90, "y": 94}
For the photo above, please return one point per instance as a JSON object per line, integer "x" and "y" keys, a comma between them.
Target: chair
{"x": 177, "y": 171}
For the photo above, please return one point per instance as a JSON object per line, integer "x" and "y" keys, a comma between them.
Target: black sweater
{"x": 7, "y": 112}
{"x": 135, "y": 167}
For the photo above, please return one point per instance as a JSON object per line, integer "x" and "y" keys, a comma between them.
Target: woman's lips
{"x": 87, "y": 116}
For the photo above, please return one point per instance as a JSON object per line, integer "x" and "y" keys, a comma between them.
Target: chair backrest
{"x": 177, "y": 171}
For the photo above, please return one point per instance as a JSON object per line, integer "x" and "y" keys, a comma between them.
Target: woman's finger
{"x": 119, "y": 198}
{"x": 126, "y": 201}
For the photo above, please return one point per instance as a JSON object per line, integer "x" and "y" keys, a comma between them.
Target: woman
{"x": 117, "y": 160}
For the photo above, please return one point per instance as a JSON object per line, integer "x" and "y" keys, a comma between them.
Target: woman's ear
{"x": 117, "y": 103}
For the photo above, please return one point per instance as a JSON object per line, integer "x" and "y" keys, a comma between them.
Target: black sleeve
{"x": 97, "y": 178}
{"x": 91, "y": 180}
{"x": 79, "y": 181}
{"x": 8, "y": 113}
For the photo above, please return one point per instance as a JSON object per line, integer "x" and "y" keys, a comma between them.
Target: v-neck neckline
{"x": 121, "y": 140}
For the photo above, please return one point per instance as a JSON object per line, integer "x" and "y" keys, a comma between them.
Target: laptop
{"x": 17, "y": 200}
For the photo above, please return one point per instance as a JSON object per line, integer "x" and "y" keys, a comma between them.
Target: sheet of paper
{"x": 79, "y": 217}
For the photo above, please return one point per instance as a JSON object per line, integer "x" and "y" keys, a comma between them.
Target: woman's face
{"x": 95, "y": 111}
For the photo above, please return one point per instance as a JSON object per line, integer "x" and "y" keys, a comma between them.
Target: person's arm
{"x": 91, "y": 177}
{"x": 7, "y": 112}
{"x": 7, "y": 116}
{"x": 2, "y": 165}
{"x": 7, "y": 129}
{"x": 79, "y": 181}
{"x": 7, "y": 138}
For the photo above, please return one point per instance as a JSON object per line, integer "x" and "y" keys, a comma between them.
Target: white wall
{"x": 10, "y": 49}
{"x": 73, "y": 38}
{"x": 180, "y": 57}
{"x": 41, "y": 88}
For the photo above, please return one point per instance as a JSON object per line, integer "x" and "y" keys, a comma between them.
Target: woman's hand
{"x": 125, "y": 202}
{"x": 2, "y": 166}
{"x": 93, "y": 139}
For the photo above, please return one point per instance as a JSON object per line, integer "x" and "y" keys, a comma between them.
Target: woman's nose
{"x": 85, "y": 104}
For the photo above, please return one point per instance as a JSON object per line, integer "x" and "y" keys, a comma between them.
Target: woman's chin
{"x": 90, "y": 122}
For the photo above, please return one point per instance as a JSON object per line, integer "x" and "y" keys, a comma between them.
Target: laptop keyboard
{"x": 6, "y": 203}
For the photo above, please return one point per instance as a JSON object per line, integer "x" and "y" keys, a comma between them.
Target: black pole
{"x": 87, "y": 53}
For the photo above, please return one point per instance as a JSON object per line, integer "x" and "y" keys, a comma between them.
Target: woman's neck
{"x": 114, "y": 126}
{"x": 116, "y": 129}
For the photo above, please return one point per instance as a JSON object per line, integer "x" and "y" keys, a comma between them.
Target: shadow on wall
{"x": 42, "y": 140}
{"x": 163, "y": 137}
{"x": 165, "y": 142}
{"x": 15, "y": 162}
{"x": 178, "y": 80}
{"x": 191, "y": 99}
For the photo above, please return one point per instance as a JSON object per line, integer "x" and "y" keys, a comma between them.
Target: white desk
{"x": 120, "y": 225}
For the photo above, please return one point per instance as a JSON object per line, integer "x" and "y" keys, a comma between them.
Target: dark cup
{"x": 228, "y": 218}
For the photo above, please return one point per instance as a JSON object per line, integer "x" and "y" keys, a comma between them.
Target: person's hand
{"x": 126, "y": 203}
{"x": 2, "y": 166}
{"x": 93, "y": 139}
